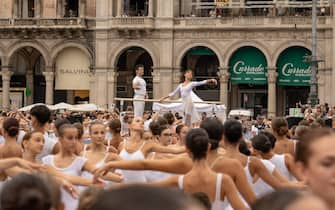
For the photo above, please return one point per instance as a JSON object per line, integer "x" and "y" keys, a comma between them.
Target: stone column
{"x": 37, "y": 7}
{"x": 321, "y": 85}
{"x": 111, "y": 86}
{"x": 224, "y": 78}
{"x": 272, "y": 79}
{"x": 82, "y": 9}
{"x": 151, "y": 8}
{"x": 176, "y": 77}
{"x": 6, "y": 75}
{"x": 92, "y": 88}
{"x": 49, "y": 80}
{"x": 30, "y": 86}
{"x": 119, "y": 8}
{"x": 156, "y": 83}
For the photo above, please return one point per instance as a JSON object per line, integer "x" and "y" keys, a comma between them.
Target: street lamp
{"x": 313, "y": 93}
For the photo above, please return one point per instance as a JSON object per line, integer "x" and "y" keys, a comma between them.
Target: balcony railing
{"x": 132, "y": 23}
{"x": 224, "y": 22}
{"x": 42, "y": 23}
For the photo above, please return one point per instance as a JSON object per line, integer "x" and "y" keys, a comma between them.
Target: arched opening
{"x": 293, "y": 82}
{"x": 126, "y": 72}
{"x": 205, "y": 63}
{"x": 27, "y": 84}
{"x": 248, "y": 81}
{"x": 136, "y": 7}
{"x": 72, "y": 64}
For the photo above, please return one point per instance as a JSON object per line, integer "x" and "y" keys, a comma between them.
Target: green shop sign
{"x": 292, "y": 68}
{"x": 248, "y": 66}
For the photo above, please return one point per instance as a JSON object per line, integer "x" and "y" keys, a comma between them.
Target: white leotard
{"x": 129, "y": 175}
{"x": 155, "y": 176}
{"x": 74, "y": 169}
{"x": 279, "y": 162}
{"x": 260, "y": 187}
{"x": 218, "y": 204}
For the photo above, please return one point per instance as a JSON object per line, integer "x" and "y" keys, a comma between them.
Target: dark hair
{"x": 197, "y": 142}
{"x": 61, "y": 121}
{"x": 89, "y": 197}
{"x": 243, "y": 148}
{"x": 162, "y": 121}
{"x": 162, "y": 128}
{"x": 271, "y": 138}
{"x": 179, "y": 128}
{"x": 261, "y": 143}
{"x": 115, "y": 125}
{"x": 160, "y": 198}
{"x": 139, "y": 66}
{"x": 62, "y": 129}
{"x": 25, "y": 191}
{"x": 214, "y": 129}
{"x": 277, "y": 200}
{"x": 169, "y": 118}
{"x": 277, "y": 125}
{"x": 80, "y": 129}
{"x": 54, "y": 189}
{"x": 154, "y": 128}
{"x": 183, "y": 75}
{"x": 42, "y": 113}
{"x": 232, "y": 131}
{"x": 304, "y": 150}
{"x": 11, "y": 126}
{"x": 203, "y": 199}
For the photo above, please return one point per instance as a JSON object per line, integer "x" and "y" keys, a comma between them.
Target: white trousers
{"x": 138, "y": 106}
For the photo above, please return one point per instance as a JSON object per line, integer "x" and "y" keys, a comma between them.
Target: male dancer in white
{"x": 140, "y": 91}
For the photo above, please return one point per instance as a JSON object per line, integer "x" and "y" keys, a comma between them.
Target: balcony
{"x": 252, "y": 22}
{"x": 40, "y": 23}
{"x": 132, "y": 23}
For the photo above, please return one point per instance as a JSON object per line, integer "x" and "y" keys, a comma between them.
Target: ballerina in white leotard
{"x": 185, "y": 91}
{"x": 137, "y": 149}
{"x": 68, "y": 163}
{"x": 99, "y": 153}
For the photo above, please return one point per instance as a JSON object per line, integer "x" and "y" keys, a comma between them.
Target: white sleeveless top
{"x": 260, "y": 187}
{"x": 279, "y": 162}
{"x": 88, "y": 175}
{"x": 74, "y": 169}
{"x": 156, "y": 176}
{"x": 218, "y": 204}
{"x": 129, "y": 175}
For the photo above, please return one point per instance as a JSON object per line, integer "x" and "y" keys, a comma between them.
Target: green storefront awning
{"x": 200, "y": 51}
{"x": 248, "y": 66}
{"x": 293, "y": 70}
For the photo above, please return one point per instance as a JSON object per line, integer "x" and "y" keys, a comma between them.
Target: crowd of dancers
{"x": 162, "y": 163}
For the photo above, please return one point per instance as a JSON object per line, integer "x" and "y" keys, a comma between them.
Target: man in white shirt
{"x": 140, "y": 91}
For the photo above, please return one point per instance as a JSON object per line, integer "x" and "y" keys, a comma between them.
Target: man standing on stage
{"x": 140, "y": 91}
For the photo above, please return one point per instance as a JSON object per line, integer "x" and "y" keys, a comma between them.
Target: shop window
{"x": 71, "y": 8}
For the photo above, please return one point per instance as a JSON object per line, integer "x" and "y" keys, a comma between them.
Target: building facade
{"x": 86, "y": 50}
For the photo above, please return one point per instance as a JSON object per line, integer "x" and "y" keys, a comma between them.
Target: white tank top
{"x": 156, "y": 176}
{"x": 74, "y": 169}
{"x": 129, "y": 175}
{"x": 279, "y": 162}
{"x": 218, "y": 204}
{"x": 90, "y": 176}
{"x": 260, "y": 187}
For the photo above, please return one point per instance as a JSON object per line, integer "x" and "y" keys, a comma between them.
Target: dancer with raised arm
{"x": 185, "y": 90}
